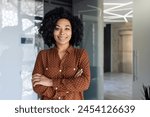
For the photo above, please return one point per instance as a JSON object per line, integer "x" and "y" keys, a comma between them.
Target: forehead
{"x": 63, "y": 21}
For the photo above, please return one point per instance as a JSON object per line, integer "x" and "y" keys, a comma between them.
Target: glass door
{"x": 91, "y": 15}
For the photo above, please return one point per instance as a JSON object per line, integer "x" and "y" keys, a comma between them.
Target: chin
{"x": 62, "y": 43}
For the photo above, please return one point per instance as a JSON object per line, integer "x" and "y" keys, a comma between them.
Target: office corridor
{"x": 117, "y": 86}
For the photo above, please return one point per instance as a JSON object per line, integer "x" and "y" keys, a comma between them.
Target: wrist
{"x": 51, "y": 82}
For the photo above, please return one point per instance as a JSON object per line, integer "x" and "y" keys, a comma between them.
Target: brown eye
{"x": 56, "y": 28}
{"x": 67, "y": 28}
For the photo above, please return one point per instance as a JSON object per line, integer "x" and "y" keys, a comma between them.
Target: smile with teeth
{"x": 62, "y": 38}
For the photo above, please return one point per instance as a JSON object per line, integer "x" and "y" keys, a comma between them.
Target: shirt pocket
{"x": 51, "y": 72}
{"x": 70, "y": 71}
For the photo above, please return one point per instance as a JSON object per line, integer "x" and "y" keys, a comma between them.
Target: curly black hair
{"x": 49, "y": 22}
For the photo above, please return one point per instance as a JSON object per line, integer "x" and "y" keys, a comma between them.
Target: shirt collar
{"x": 69, "y": 49}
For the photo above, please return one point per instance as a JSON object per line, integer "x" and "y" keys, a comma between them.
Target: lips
{"x": 62, "y": 38}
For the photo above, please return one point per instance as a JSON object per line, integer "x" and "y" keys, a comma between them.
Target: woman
{"x": 61, "y": 72}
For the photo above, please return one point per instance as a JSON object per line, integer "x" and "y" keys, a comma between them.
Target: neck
{"x": 62, "y": 48}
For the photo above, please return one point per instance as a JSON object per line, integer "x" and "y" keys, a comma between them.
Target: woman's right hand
{"x": 38, "y": 79}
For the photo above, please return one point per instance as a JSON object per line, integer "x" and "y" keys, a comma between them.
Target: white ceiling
{"x": 118, "y": 10}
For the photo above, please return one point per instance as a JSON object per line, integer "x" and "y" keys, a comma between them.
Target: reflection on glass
{"x": 9, "y": 13}
{"x": 19, "y": 44}
{"x": 90, "y": 12}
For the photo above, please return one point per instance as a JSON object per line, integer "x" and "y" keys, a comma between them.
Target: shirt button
{"x": 74, "y": 69}
{"x": 59, "y": 98}
{"x": 67, "y": 92}
{"x": 46, "y": 68}
{"x": 60, "y": 70}
{"x": 56, "y": 88}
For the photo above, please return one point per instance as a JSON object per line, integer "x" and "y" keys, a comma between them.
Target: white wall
{"x": 141, "y": 46}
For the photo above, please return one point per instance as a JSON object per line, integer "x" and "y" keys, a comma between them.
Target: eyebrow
{"x": 65, "y": 25}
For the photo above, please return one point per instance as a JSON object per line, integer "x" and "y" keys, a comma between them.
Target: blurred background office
{"x": 117, "y": 44}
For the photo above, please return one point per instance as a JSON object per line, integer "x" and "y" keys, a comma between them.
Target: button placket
{"x": 56, "y": 88}
{"x": 61, "y": 64}
{"x": 61, "y": 68}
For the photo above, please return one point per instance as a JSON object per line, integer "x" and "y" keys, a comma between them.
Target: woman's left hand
{"x": 38, "y": 79}
{"x": 79, "y": 73}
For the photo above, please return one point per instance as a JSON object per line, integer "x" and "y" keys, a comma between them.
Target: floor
{"x": 117, "y": 86}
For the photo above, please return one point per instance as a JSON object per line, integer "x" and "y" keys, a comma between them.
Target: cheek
{"x": 55, "y": 34}
{"x": 70, "y": 34}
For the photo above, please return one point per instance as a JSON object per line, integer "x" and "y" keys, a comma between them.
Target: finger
{"x": 36, "y": 80}
{"x": 34, "y": 75}
{"x": 80, "y": 73}
{"x": 36, "y": 83}
{"x": 77, "y": 74}
{"x": 81, "y": 70}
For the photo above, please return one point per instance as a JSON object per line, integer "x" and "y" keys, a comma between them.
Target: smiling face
{"x": 62, "y": 32}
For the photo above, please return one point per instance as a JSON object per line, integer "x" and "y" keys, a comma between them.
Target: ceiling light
{"x": 114, "y": 12}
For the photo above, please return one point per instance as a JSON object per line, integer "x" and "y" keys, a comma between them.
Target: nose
{"x": 62, "y": 32}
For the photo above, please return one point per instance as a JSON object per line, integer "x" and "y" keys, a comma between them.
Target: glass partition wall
{"x": 91, "y": 14}
{"x": 19, "y": 45}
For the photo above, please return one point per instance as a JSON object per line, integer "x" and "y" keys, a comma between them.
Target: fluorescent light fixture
{"x": 116, "y": 11}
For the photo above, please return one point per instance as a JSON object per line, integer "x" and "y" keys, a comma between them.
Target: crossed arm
{"x": 46, "y": 86}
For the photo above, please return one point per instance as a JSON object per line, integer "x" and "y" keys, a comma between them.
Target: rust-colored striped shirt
{"x": 62, "y": 71}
